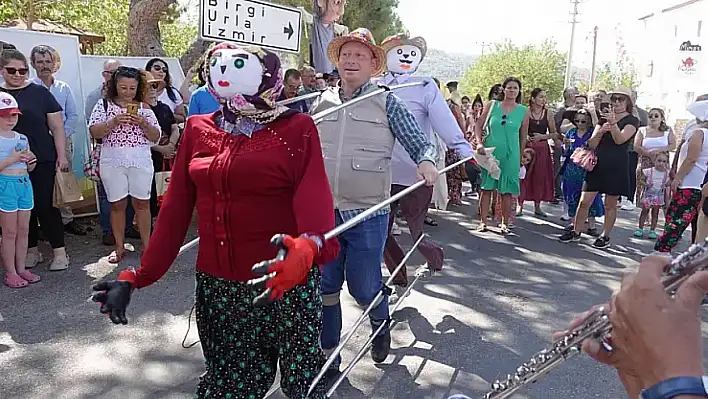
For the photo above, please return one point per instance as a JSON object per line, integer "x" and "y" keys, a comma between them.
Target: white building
{"x": 673, "y": 57}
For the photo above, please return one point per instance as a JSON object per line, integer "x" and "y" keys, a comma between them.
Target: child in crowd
{"x": 654, "y": 183}
{"x": 527, "y": 159}
{"x": 16, "y": 195}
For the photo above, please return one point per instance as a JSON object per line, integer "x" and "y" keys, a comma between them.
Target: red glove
{"x": 291, "y": 267}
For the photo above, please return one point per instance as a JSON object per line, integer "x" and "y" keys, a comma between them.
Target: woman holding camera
{"x": 609, "y": 142}
{"x": 128, "y": 128}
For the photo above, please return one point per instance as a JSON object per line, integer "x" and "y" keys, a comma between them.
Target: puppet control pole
{"x": 318, "y": 118}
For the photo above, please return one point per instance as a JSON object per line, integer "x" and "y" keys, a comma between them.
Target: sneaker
{"x": 565, "y": 218}
{"x": 570, "y": 236}
{"x": 33, "y": 258}
{"x": 639, "y": 233}
{"x": 60, "y": 261}
{"x": 627, "y": 206}
{"x": 602, "y": 242}
{"x": 397, "y": 295}
{"x": 381, "y": 347}
{"x": 395, "y": 230}
{"x": 108, "y": 240}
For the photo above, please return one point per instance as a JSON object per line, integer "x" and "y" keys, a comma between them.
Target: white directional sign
{"x": 251, "y": 22}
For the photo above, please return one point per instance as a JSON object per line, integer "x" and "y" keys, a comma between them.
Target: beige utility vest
{"x": 357, "y": 145}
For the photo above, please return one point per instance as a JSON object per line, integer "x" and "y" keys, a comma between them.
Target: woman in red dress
{"x": 538, "y": 184}
{"x": 252, "y": 169}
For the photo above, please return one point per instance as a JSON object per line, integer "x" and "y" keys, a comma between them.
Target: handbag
{"x": 162, "y": 182}
{"x": 585, "y": 158}
{"x": 91, "y": 166}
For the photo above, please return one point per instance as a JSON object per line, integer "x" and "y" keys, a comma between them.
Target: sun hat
{"x": 8, "y": 105}
{"x": 363, "y": 36}
{"x": 699, "y": 109}
{"x": 623, "y": 91}
{"x": 403, "y": 39}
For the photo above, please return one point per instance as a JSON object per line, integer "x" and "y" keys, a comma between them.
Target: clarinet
{"x": 595, "y": 326}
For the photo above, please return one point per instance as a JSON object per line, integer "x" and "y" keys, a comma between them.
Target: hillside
{"x": 445, "y": 66}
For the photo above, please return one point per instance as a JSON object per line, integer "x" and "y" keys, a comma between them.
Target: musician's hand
{"x": 645, "y": 318}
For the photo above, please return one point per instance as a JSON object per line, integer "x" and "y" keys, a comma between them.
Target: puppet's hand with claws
{"x": 290, "y": 267}
{"x": 114, "y": 296}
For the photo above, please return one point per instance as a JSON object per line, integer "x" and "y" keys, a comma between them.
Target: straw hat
{"x": 153, "y": 79}
{"x": 403, "y": 39}
{"x": 363, "y": 36}
{"x": 623, "y": 91}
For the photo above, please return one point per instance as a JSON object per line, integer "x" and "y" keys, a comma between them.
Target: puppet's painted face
{"x": 235, "y": 71}
{"x": 403, "y": 59}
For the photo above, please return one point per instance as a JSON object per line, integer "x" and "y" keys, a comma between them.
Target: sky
{"x": 463, "y": 26}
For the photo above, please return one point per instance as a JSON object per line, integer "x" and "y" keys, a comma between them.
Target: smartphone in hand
{"x": 132, "y": 109}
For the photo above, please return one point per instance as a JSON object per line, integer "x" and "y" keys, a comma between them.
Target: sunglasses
{"x": 654, "y": 116}
{"x": 158, "y": 68}
{"x": 618, "y": 99}
{"x": 16, "y": 71}
{"x": 580, "y": 121}
{"x": 503, "y": 122}
{"x": 128, "y": 72}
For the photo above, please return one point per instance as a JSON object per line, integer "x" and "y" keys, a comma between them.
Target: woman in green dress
{"x": 506, "y": 130}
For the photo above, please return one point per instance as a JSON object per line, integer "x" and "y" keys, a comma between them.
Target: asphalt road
{"x": 494, "y": 305}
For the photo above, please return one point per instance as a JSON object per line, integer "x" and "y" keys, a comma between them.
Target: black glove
{"x": 114, "y": 296}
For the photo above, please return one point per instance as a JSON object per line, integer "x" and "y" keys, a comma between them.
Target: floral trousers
{"x": 680, "y": 213}
{"x": 243, "y": 344}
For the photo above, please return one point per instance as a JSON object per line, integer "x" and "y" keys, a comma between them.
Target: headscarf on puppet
{"x": 328, "y": 11}
{"x": 403, "y": 53}
{"x": 248, "y": 81}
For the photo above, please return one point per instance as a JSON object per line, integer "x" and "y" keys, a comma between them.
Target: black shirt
{"x": 608, "y": 149}
{"x": 165, "y": 118}
{"x": 35, "y": 103}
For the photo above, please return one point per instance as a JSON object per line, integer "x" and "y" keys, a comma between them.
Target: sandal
{"x": 15, "y": 281}
{"x": 30, "y": 277}
{"x": 504, "y": 229}
{"x": 116, "y": 257}
{"x": 430, "y": 221}
{"x": 481, "y": 228}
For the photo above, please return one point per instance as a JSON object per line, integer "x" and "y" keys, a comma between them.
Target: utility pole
{"x": 484, "y": 45}
{"x": 573, "y": 22}
{"x": 594, "y": 57}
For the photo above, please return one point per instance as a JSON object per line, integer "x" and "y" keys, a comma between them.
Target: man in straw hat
{"x": 357, "y": 142}
{"x": 46, "y": 62}
{"x": 403, "y": 56}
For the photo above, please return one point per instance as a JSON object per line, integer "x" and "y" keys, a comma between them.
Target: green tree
{"x": 535, "y": 66}
{"x": 379, "y": 16}
{"x": 609, "y": 77}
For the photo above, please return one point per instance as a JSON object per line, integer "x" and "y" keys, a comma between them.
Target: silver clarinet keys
{"x": 595, "y": 326}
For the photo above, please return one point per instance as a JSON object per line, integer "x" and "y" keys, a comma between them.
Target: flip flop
{"x": 504, "y": 229}
{"x": 15, "y": 281}
{"x": 114, "y": 258}
{"x": 30, "y": 277}
{"x": 481, "y": 228}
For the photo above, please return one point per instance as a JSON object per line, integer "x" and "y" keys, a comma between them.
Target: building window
{"x": 700, "y": 25}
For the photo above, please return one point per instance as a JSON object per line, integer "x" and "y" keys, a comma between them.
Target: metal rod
{"x": 361, "y": 318}
{"x": 382, "y": 89}
{"x": 369, "y": 341}
{"x": 300, "y": 98}
{"x": 359, "y": 218}
{"x": 188, "y": 246}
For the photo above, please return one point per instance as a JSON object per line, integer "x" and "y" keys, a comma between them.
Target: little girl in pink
{"x": 655, "y": 182}
{"x": 527, "y": 158}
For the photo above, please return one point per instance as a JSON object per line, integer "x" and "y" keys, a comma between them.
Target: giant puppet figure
{"x": 326, "y": 13}
{"x": 252, "y": 170}
{"x": 403, "y": 56}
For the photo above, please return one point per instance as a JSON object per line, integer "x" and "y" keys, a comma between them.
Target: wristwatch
{"x": 673, "y": 387}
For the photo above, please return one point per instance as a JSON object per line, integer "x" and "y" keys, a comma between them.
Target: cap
{"x": 8, "y": 105}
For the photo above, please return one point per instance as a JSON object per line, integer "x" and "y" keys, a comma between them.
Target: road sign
{"x": 251, "y": 22}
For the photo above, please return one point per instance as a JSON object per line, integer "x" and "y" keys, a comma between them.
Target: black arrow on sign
{"x": 289, "y": 30}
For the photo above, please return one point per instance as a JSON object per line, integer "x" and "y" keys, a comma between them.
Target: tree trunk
{"x": 143, "y": 27}
{"x": 193, "y": 54}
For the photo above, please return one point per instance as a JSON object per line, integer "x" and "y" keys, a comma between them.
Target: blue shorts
{"x": 16, "y": 193}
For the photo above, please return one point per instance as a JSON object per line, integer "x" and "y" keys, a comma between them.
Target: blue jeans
{"x": 104, "y": 216}
{"x": 359, "y": 261}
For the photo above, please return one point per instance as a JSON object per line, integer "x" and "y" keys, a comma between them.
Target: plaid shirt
{"x": 407, "y": 131}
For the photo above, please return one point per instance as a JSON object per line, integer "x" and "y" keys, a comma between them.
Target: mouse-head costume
{"x": 252, "y": 170}
{"x": 404, "y": 54}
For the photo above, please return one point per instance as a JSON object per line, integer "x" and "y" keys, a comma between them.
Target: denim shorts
{"x": 16, "y": 193}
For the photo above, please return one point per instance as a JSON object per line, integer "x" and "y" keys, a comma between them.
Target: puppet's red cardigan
{"x": 245, "y": 190}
